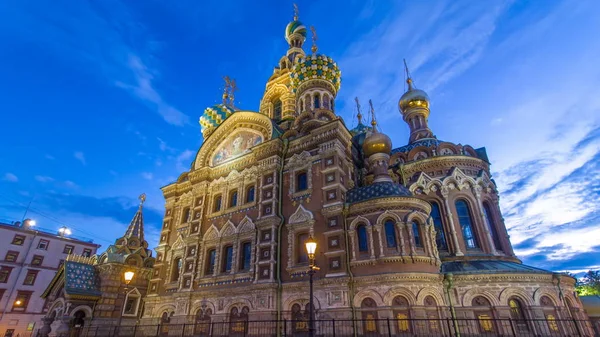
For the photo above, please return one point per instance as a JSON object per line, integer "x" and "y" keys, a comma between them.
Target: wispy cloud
{"x": 147, "y": 175}
{"x": 79, "y": 156}
{"x": 10, "y": 177}
{"x": 44, "y": 179}
{"x": 49, "y": 157}
{"x": 183, "y": 160}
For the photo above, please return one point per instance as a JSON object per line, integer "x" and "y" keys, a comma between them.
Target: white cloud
{"x": 80, "y": 156}
{"x": 183, "y": 160}
{"x": 10, "y": 177}
{"x": 70, "y": 184}
{"x": 44, "y": 179}
{"x": 147, "y": 175}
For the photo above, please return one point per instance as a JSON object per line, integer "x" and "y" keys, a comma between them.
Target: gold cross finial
{"x": 373, "y": 121}
{"x": 359, "y": 115}
{"x": 232, "y": 89}
{"x": 226, "y": 89}
{"x": 408, "y": 79}
{"x": 142, "y": 199}
{"x": 314, "y": 39}
{"x": 296, "y": 11}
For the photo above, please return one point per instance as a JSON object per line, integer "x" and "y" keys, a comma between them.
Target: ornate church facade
{"x": 407, "y": 232}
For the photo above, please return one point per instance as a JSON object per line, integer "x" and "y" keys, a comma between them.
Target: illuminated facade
{"x": 404, "y": 232}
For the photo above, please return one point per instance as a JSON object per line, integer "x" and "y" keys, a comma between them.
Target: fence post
{"x": 333, "y": 326}
{"x": 576, "y": 326}
{"x": 134, "y": 329}
{"x": 284, "y": 327}
{"x": 512, "y": 326}
{"x": 450, "y": 333}
{"x": 158, "y": 329}
{"x": 212, "y": 326}
{"x": 389, "y": 327}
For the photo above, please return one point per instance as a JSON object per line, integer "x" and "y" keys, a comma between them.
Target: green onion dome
{"x": 316, "y": 67}
{"x": 215, "y": 115}
{"x": 295, "y": 27}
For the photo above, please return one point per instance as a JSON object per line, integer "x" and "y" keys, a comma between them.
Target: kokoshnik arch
{"x": 403, "y": 232}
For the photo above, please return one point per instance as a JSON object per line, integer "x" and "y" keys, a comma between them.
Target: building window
{"x": 417, "y": 234}
{"x": 43, "y": 244}
{"x": 464, "y": 219}
{"x": 390, "y": 234}
{"x": 210, "y": 262}
{"x": 30, "y": 277}
{"x": 132, "y": 301}
{"x": 301, "y": 248}
{"x": 37, "y": 260}
{"x": 217, "y": 204}
{"x": 185, "y": 215}
{"x": 277, "y": 107}
{"x": 87, "y": 252}
{"x": 491, "y": 226}
{"x": 440, "y": 237}
{"x": 18, "y": 240}
{"x": 317, "y": 101}
{"x": 11, "y": 256}
{"x": 361, "y": 232}
{"x": 177, "y": 264}
{"x": 21, "y": 301}
{"x": 250, "y": 194}
{"x": 233, "y": 199}
{"x": 227, "y": 259}
{"x": 246, "y": 256}
{"x": 5, "y": 274}
{"x": 517, "y": 315}
{"x": 68, "y": 249}
{"x": 302, "y": 182}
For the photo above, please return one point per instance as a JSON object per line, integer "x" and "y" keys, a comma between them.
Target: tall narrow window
{"x": 492, "y": 226}
{"x": 417, "y": 234}
{"x": 210, "y": 261}
{"x": 464, "y": 219}
{"x": 250, "y": 194}
{"x": 361, "y": 232}
{"x": 277, "y": 109}
{"x": 517, "y": 314}
{"x": 177, "y": 264}
{"x": 233, "y": 199}
{"x": 246, "y": 256}
{"x": 301, "y": 248}
{"x": 302, "y": 180}
{"x": 227, "y": 256}
{"x": 217, "y": 205}
{"x": 390, "y": 234}
{"x": 317, "y": 101}
{"x": 440, "y": 236}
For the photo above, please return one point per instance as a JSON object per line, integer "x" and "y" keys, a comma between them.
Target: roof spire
{"x": 314, "y": 40}
{"x": 373, "y": 121}
{"x": 226, "y": 89}
{"x": 296, "y": 11}
{"x": 359, "y": 115}
{"x": 409, "y": 80}
{"x": 136, "y": 227}
{"x": 232, "y": 89}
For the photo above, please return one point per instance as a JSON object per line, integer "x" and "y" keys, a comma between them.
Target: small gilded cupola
{"x": 315, "y": 81}
{"x": 376, "y": 149}
{"x": 359, "y": 133}
{"x": 214, "y": 115}
{"x": 414, "y": 106}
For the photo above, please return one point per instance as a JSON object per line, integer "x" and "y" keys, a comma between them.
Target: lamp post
{"x": 127, "y": 276}
{"x": 64, "y": 231}
{"x": 311, "y": 247}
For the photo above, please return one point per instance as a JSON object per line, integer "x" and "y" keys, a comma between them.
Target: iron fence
{"x": 348, "y": 328}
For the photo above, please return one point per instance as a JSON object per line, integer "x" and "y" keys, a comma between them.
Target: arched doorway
{"x": 300, "y": 320}
{"x": 517, "y": 314}
{"x": 549, "y": 308}
{"x": 202, "y": 322}
{"x": 369, "y": 317}
{"x": 165, "y": 319}
{"x": 238, "y": 321}
{"x": 401, "y": 314}
{"x": 77, "y": 323}
{"x": 432, "y": 313}
{"x": 483, "y": 312}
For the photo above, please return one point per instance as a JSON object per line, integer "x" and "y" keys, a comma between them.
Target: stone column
{"x": 455, "y": 243}
{"x": 352, "y": 235}
{"x": 399, "y": 226}
{"x": 371, "y": 246}
{"x": 378, "y": 228}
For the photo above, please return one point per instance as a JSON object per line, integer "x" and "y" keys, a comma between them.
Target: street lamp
{"x": 311, "y": 247}
{"x": 29, "y": 223}
{"x": 64, "y": 231}
{"x": 128, "y": 275}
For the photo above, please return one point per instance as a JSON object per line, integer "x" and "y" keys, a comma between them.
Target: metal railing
{"x": 348, "y": 328}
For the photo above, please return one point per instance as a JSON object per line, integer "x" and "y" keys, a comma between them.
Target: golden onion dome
{"x": 413, "y": 98}
{"x": 376, "y": 142}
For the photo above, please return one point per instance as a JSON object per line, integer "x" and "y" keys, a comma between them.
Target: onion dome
{"x": 376, "y": 142}
{"x": 316, "y": 67}
{"x": 215, "y": 115}
{"x": 295, "y": 28}
{"x": 413, "y": 98}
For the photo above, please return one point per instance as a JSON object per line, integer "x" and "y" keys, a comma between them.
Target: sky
{"x": 100, "y": 100}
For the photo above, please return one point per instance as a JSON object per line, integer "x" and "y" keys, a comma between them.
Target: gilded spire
{"x": 373, "y": 121}
{"x": 226, "y": 89}
{"x": 296, "y": 11}
{"x": 314, "y": 40}
{"x": 358, "y": 115}
{"x": 136, "y": 227}
{"x": 232, "y": 89}
{"x": 142, "y": 199}
{"x": 408, "y": 78}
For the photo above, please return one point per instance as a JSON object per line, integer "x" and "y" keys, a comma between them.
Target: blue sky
{"x": 100, "y": 100}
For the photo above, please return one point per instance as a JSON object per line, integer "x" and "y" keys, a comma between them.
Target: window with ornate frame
{"x": 211, "y": 255}
{"x": 440, "y": 236}
{"x": 227, "y": 259}
{"x": 390, "y": 233}
{"x": 250, "y": 193}
{"x": 466, "y": 224}
{"x": 489, "y": 219}
{"x": 233, "y": 198}
{"x": 131, "y": 303}
{"x": 217, "y": 203}
{"x": 363, "y": 238}
{"x": 417, "y": 234}
{"x": 301, "y": 181}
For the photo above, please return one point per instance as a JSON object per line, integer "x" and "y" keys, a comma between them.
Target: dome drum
{"x": 314, "y": 98}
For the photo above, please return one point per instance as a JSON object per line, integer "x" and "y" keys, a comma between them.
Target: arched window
{"x": 369, "y": 316}
{"x": 440, "y": 236}
{"x": 317, "y": 101}
{"x": 361, "y": 232}
{"x": 390, "y": 234}
{"x": 401, "y": 313}
{"x": 177, "y": 264}
{"x": 517, "y": 314}
{"x": 299, "y": 324}
{"x": 233, "y": 199}
{"x": 186, "y": 215}
{"x": 464, "y": 219}
{"x": 432, "y": 314}
{"x": 250, "y": 194}
{"x": 417, "y": 234}
{"x": 483, "y": 313}
{"x": 227, "y": 259}
{"x": 202, "y": 326}
{"x": 217, "y": 204}
{"x": 302, "y": 106}
{"x": 246, "y": 258}
{"x": 277, "y": 106}
{"x": 301, "y": 248}
{"x": 238, "y": 325}
{"x": 492, "y": 226}
{"x": 210, "y": 262}
{"x": 326, "y": 101}
{"x": 331, "y": 103}
{"x": 302, "y": 181}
